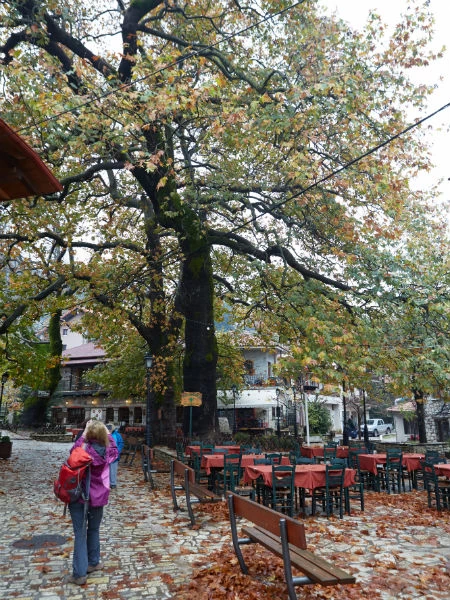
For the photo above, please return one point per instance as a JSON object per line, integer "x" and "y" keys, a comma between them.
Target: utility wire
{"x": 348, "y": 164}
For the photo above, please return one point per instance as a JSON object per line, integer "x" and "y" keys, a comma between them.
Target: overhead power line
{"x": 180, "y": 60}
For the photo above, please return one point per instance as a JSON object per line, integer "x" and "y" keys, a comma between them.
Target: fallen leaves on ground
{"x": 371, "y": 545}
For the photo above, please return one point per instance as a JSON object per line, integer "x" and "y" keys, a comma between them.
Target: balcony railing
{"x": 262, "y": 380}
{"x": 78, "y": 386}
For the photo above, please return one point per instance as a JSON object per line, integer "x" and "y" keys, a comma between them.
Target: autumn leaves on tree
{"x": 196, "y": 143}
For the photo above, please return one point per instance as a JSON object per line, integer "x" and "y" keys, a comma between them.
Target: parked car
{"x": 377, "y": 427}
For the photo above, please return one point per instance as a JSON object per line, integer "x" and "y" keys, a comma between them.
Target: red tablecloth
{"x": 313, "y": 451}
{"x": 215, "y": 461}
{"x": 369, "y": 462}
{"x": 442, "y": 469}
{"x": 306, "y": 476}
{"x": 231, "y": 449}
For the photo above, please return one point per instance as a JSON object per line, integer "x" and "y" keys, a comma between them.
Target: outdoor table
{"x": 216, "y": 461}
{"x": 230, "y": 449}
{"x": 308, "y": 477}
{"x": 313, "y": 451}
{"x": 442, "y": 469}
{"x": 370, "y": 462}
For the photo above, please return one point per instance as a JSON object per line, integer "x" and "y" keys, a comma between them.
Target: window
{"x": 65, "y": 331}
{"x": 124, "y": 415}
{"x": 75, "y": 416}
{"x": 249, "y": 367}
{"x": 138, "y": 414}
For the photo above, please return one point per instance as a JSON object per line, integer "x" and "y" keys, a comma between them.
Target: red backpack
{"x": 74, "y": 477}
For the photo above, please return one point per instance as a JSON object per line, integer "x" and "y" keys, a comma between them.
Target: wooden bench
{"x": 182, "y": 478}
{"x": 147, "y": 459}
{"x": 285, "y": 537}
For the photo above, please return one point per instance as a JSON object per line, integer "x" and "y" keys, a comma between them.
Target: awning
{"x": 22, "y": 172}
{"x": 258, "y": 399}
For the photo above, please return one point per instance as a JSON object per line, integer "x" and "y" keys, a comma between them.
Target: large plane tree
{"x": 195, "y": 141}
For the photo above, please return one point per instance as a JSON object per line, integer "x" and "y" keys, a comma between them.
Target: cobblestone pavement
{"x": 145, "y": 545}
{"x": 149, "y": 550}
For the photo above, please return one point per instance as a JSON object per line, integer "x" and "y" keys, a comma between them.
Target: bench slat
{"x": 269, "y": 519}
{"x": 279, "y": 534}
{"x": 202, "y": 492}
{"x": 341, "y": 575}
{"x": 305, "y": 563}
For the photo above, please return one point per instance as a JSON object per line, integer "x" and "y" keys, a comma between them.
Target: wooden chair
{"x": 394, "y": 474}
{"x": 181, "y": 456}
{"x": 437, "y": 490}
{"x": 329, "y": 453}
{"x": 433, "y": 456}
{"x": 275, "y": 457}
{"x": 233, "y": 477}
{"x": 332, "y": 494}
{"x": 260, "y": 488}
{"x": 201, "y": 476}
{"x": 283, "y": 490}
{"x": 231, "y": 473}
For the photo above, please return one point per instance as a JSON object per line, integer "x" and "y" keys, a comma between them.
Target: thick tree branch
{"x": 7, "y": 320}
{"x": 242, "y": 246}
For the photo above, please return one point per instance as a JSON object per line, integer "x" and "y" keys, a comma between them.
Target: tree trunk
{"x": 200, "y": 360}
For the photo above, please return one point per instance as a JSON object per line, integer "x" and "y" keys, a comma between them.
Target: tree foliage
{"x": 197, "y": 144}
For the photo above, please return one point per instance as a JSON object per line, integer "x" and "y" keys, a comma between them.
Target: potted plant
{"x": 5, "y": 446}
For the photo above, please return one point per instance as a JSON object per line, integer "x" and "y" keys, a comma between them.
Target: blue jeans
{"x": 86, "y": 549}
{"x": 113, "y": 472}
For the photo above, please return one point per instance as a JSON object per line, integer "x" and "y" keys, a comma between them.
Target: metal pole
{"x": 278, "y": 413}
{"x": 305, "y": 397}
{"x": 148, "y": 416}
{"x": 233, "y": 389}
{"x": 4, "y": 380}
{"x": 148, "y": 422}
{"x": 295, "y": 414}
{"x": 366, "y": 431}
{"x": 344, "y": 406}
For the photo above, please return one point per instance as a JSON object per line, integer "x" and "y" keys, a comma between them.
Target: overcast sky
{"x": 356, "y": 11}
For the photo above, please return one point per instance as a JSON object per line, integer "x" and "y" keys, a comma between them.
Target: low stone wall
{"x": 414, "y": 447}
{"x": 51, "y": 437}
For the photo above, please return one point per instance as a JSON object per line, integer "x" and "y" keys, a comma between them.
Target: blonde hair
{"x": 96, "y": 430}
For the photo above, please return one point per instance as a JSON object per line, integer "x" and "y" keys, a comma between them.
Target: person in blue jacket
{"x": 113, "y": 467}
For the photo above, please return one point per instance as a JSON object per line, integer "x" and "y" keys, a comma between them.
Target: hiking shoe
{"x": 97, "y": 567}
{"x": 77, "y": 580}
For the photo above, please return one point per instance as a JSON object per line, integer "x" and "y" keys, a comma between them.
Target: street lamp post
{"x": 295, "y": 413}
{"x": 366, "y": 431}
{"x": 234, "y": 390}
{"x": 148, "y": 417}
{"x": 5, "y": 377}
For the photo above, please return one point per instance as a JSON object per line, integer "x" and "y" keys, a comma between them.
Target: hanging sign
{"x": 191, "y": 399}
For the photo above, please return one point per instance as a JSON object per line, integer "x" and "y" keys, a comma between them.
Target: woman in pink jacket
{"x": 103, "y": 450}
